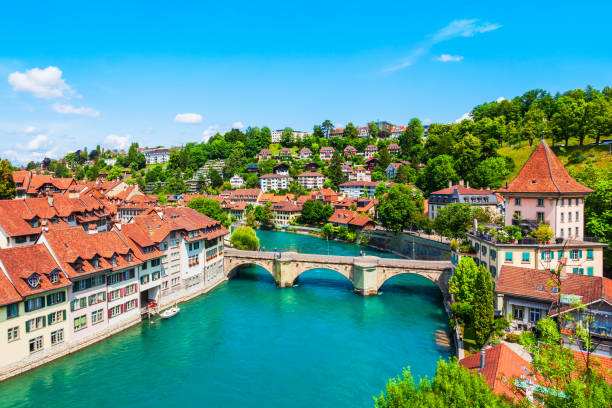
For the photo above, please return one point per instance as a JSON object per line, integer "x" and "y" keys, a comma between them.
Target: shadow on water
{"x": 252, "y": 273}
{"x": 324, "y": 277}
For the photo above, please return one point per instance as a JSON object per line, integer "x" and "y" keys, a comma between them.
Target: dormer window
{"x": 128, "y": 257}
{"x": 54, "y": 276}
{"x": 95, "y": 261}
{"x": 33, "y": 280}
{"x": 114, "y": 260}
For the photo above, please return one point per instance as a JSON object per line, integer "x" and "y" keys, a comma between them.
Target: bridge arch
{"x": 440, "y": 279}
{"x": 345, "y": 270}
{"x": 231, "y": 267}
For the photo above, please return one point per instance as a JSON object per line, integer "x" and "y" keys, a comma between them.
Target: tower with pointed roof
{"x": 544, "y": 192}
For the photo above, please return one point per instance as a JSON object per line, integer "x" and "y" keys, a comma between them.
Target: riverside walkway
{"x": 367, "y": 273}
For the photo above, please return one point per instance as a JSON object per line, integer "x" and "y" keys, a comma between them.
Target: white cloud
{"x": 31, "y": 129}
{"x": 118, "y": 142}
{"x": 501, "y": 98}
{"x": 66, "y": 109}
{"x": 36, "y": 149}
{"x": 449, "y": 58}
{"x": 39, "y": 142}
{"x": 465, "y": 116}
{"x": 188, "y": 118}
{"x": 42, "y": 83}
{"x": 457, "y": 28}
{"x": 237, "y": 125}
{"x": 210, "y": 131}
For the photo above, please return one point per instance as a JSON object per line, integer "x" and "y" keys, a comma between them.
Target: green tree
{"x": 438, "y": 172}
{"x": 401, "y": 209}
{"x": 462, "y": 286}
{"x": 467, "y": 154}
{"x": 215, "y": 178}
{"x": 384, "y": 159}
{"x": 31, "y": 165}
{"x": 7, "y": 183}
{"x": 373, "y": 127}
{"x": 350, "y": 131}
{"x": 244, "y": 238}
{"x": 328, "y": 230}
{"x": 405, "y": 175}
{"x": 454, "y": 386}
{"x": 264, "y": 214}
{"x": 482, "y": 317}
{"x": 327, "y": 127}
{"x": 162, "y": 199}
{"x": 453, "y": 220}
{"x": 115, "y": 174}
{"x": 334, "y": 171}
{"x": 411, "y": 141}
{"x": 490, "y": 172}
{"x": 211, "y": 208}
{"x": 287, "y": 137}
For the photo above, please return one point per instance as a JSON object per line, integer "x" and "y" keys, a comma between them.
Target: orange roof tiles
{"x": 20, "y": 263}
{"x": 544, "y": 173}
{"x": 501, "y": 366}
{"x": 8, "y": 293}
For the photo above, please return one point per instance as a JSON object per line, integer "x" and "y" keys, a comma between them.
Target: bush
{"x": 527, "y": 339}
{"x": 454, "y": 245}
{"x": 512, "y": 337}
{"x": 245, "y": 238}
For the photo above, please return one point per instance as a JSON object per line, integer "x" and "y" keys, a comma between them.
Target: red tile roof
{"x": 13, "y": 216}
{"x": 544, "y": 173}
{"x": 21, "y": 262}
{"x": 462, "y": 190}
{"x": 8, "y": 293}
{"x": 311, "y": 174}
{"x": 502, "y": 366}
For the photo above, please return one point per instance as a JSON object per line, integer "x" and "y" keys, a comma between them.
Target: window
{"x": 493, "y": 254}
{"x": 77, "y": 304}
{"x": 518, "y": 313}
{"x": 56, "y": 317}
{"x": 36, "y": 344}
{"x": 114, "y": 311}
{"x": 575, "y": 254}
{"x": 548, "y": 255}
{"x": 155, "y": 276}
{"x": 525, "y": 257}
{"x": 563, "y": 201}
{"x": 484, "y": 250}
{"x": 144, "y": 265}
{"x": 508, "y": 256}
{"x": 518, "y": 213}
{"x": 57, "y": 336}
{"x": 13, "y": 334}
{"x": 534, "y": 314}
{"x": 561, "y": 232}
{"x": 560, "y": 254}
{"x": 155, "y": 262}
{"x": 569, "y": 217}
{"x": 590, "y": 271}
{"x": 144, "y": 279}
{"x": 34, "y": 304}
{"x": 12, "y": 310}
{"x": 577, "y": 231}
{"x": 517, "y": 201}
{"x": 96, "y": 298}
{"x": 540, "y": 216}
{"x": 96, "y": 316}
{"x": 174, "y": 255}
{"x": 80, "y": 323}
{"x": 569, "y": 201}
{"x": 35, "y": 324}
{"x": 176, "y": 281}
{"x": 577, "y": 216}
{"x": 589, "y": 254}
{"x": 575, "y": 271}
{"x": 194, "y": 260}
{"x": 562, "y": 217}
{"x": 54, "y": 277}
{"x": 493, "y": 271}
{"x": 130, "y": 289}
{"x": 163, "y": 246}
{"x": 540, "y": 202}
{"x": 114, "y": 295}
{"x": 56, "y": 298}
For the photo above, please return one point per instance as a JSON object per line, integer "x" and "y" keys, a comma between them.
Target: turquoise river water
{"x": 250, "y": 344}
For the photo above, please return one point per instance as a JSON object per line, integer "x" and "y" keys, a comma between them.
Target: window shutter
{"x": 42, "y": 301}
{"x": 88, "y": 283}
{"x": 64, "y": 314}
{"x": 135, "y": 287}
{"x": 49, "y": 300}
{"x": 580, "y": 254}
{"x": 552, "y": 254}
{"x": 49, "y": 319}
{"x": 75, "y": 287}
{"x": 27, "y": 305}
{"x": 560, "y": 254}
{"x": 543, "y": 255}
{"x": 590, "y": 253}
{"x": 109, "y": 295}
{"x": 28, "y": 326}
{"x": 62, "y": 296}
{"x": 104, "y": 296}
{"x": 109, "y": 313}
{"x": 136, "y": 302}
{"x": 44, "y": 322}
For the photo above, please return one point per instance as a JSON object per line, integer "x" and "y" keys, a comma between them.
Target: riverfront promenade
{"x": 367, "y": 273}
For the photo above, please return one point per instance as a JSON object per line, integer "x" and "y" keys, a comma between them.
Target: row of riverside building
{"x": 72, "y": 286}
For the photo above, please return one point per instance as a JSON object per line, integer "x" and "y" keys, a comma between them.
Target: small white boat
{"x": 168, "y": 313}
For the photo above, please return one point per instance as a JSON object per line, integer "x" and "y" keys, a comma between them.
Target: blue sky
{"x": 115, "y": 72}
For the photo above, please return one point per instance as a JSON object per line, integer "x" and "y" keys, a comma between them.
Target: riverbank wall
{"x": 67, "y": 348}
{"x": 407, "y": 245}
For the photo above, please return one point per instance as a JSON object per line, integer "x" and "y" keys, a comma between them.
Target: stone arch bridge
{"x": 367, "y": 273}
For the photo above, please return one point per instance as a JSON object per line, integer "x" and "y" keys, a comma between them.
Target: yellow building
{"x": 33, "y": 306}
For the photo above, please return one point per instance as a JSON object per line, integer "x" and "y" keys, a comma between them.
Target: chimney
{"x": 92, "y": 229}
{"x": 467, "y": 184}
{"x": 482, "y": 359}
{"x": 461, "y": 182}
{"x": 50, "y": 200}
{"x": 450, "y": 183}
